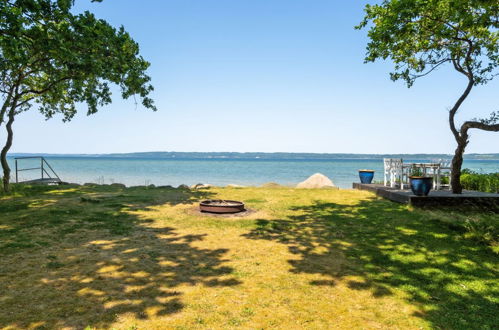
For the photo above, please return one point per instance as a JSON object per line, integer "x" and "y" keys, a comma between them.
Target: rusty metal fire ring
{"x": 221, "y": 206}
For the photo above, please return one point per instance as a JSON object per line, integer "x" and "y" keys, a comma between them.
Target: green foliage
{"x": 415, "y": 171}
{"x": 420, "y": 35}
{"x": 56, "y": 59}
{"x": 481, "y": 182}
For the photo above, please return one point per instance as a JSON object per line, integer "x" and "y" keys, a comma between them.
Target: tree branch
{"x": 47, "y": 88}
{"x": 471, "y": 82}
{"x": 458, "y": 67}
{"x": 479, "y": 125}
{"x": 455, "y": 108}
{"x": 436, "y": 65}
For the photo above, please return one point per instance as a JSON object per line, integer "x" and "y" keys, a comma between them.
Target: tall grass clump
{"x": 472, "y": 180}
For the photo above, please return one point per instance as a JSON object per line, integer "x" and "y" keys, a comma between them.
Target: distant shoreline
{"x": 258, "y": 155}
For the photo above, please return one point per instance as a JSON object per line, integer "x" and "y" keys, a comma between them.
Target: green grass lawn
{"x": 145, "y": 258}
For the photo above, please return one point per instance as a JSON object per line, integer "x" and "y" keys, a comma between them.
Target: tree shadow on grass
{"x": 453, "y": 281}
{"x": 73, "y": 257}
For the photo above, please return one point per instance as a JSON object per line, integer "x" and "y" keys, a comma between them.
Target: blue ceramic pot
{"x": 421, "y": 186}
{"x": 366, "y": 176}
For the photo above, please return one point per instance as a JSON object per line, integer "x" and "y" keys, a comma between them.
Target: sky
{"x": 262, "y": 75}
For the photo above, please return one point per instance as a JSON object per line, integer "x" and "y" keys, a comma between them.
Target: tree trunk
{"x": 5, "y": 149}
{"x": 460, "y": 137}
{"x": 457, "y": 163}
{"x": 490, "y": 125}
{"x": 6, "y": 105}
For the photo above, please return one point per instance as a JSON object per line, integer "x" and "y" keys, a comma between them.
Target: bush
{"x": 480, "y": 182}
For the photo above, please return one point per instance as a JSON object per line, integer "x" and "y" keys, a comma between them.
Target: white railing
{"x": 396, "y": 173}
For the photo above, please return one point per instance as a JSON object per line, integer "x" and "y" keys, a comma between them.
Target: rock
{"x": 201, "y": 186}
{"x": 234, "y": 186}
{"x": 183, "y": 186}
{"x": 118, "y": 185}
{"x": 271, "y": 185}
{"x": 317, "y": 180}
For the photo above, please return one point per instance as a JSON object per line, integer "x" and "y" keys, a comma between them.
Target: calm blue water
{"x": 215, "y": 171}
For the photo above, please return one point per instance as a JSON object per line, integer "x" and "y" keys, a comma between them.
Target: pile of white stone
{"x": 317, "y": 180}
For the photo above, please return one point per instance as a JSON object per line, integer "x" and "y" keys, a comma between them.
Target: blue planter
{"x": 366, "y": 176}
{"x": 421, "y": 186}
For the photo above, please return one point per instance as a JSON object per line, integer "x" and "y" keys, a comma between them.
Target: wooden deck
{"x": 489, "y": 201}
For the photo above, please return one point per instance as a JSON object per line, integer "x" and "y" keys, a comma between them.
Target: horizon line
{"x": 246, "y": 152}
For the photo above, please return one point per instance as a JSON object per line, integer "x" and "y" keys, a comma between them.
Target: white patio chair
{"x": 397, "y": 172}
{"x": 406, "y": 168}
{"x": 444, "y": 171}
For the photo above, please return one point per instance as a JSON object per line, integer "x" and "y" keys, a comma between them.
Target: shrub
{"x": 481, "y": 182}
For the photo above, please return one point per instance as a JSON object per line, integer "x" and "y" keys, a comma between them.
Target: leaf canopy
{"x": 56, "y": 59}
{"x": 421, "y": 35}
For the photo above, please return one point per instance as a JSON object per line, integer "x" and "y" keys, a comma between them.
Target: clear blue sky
{"x": 262, "y": 75}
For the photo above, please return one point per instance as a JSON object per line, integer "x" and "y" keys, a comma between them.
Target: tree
{"x": 419, "y": 36}
{"x": 53, "y": 59}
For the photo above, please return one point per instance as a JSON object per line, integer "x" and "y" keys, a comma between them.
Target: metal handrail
{"x": 50, "y": 169}
{"x": 27, "y": 157}
{"x": 43, "y": 163}
{"x": 29, "y": 169}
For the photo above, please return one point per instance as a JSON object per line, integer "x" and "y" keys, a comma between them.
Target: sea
{"x": 136, "y": 171}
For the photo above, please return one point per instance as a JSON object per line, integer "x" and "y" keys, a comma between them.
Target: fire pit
{"x": 221, "y": 206}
